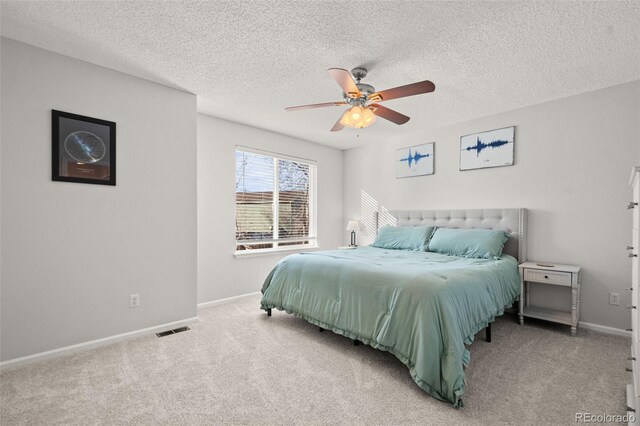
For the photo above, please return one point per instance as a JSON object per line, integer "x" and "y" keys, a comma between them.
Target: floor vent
{"x": 174, "y": 331}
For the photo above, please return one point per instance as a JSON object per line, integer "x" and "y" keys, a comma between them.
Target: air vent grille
{"x": 174, "y": 331}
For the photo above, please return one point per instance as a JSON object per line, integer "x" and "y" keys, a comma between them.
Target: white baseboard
{"x": 226, "y": 300}
{"x": 92, "y": 344}
{"x": 604, "y": 329}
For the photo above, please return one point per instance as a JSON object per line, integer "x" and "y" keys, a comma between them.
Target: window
{"x": 275, "y": 201}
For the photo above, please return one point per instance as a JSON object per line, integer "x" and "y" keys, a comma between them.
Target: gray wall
{"x": 573, "y": 158}
{"x": 220, "y": 274}
{"x": 73, "y": 253}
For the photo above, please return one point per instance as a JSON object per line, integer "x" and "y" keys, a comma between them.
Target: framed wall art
{"x": 487, "y": 149}
{"x": 83, "y": 149}
{"x": 415, "y": 160}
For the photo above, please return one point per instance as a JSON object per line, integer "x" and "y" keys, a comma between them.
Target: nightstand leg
{"x": 521, "y": 301}
{"x": 520, "y": 316}
{"x": 574, "y": 309}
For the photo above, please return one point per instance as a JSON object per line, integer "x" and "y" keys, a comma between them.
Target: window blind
{"x": 275, "y": 201}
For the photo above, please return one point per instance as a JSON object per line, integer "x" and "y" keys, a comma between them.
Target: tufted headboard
{"x": 513, "y": 221}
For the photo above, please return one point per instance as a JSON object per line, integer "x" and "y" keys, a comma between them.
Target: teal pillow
{"x": 478, "y": 243}
{"x": 403, "y": 237}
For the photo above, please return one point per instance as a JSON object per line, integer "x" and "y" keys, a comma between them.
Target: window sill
{"x": 266, "y": 252}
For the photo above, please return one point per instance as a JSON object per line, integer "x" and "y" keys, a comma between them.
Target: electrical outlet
{"x": 134, "y": 300}
{"x": 614, "y": 299}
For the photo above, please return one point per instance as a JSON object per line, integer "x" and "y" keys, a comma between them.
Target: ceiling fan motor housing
{"x": 366, "y": 89}
{"x": 359, "y": 73}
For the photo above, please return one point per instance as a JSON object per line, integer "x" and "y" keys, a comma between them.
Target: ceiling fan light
{"x": 347, "y": 119}
{"x": 358, "y": 117}
{"x": 368, "y": 116}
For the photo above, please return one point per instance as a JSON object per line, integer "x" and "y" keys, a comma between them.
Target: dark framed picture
{"x": 83, "y": 149}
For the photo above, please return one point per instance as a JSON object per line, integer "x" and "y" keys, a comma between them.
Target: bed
{"x": 423, "y": 307}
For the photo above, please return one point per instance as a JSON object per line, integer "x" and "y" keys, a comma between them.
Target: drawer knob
{"x": 546, "y": 277}
{"x": 628, "y": 369}
{"x": 631, "y": 307}
{"x": 628, "y": 329}
{"x": 633, "y": 255}
{"x": 631, "y": 205}
{"x": 629, "y": 248}
{"x": 631, "y": 358}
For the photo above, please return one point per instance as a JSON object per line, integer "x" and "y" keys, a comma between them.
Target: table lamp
{"x": 353, "y": 226}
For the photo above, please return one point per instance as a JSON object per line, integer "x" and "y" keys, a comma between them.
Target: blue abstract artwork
{"x": 415, "y": 160}
{"x": 487, "y": 149}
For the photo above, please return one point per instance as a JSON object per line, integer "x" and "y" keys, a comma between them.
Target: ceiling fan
{"x": 363, "y": 99}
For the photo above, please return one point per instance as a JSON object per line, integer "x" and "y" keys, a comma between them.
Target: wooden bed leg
{"x": 356, "y": 343}
{"x": 320, "y": 329}
{"x": 268, "y": 312}
{"x": 488, "y": 333}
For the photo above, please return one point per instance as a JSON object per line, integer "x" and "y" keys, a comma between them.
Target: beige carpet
{"x": 237, "y": 366}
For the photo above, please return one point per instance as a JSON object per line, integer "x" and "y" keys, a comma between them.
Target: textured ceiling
{"x": 247, "y": 61}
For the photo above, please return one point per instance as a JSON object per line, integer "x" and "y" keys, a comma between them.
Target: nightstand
{"x": 553, "y": 274}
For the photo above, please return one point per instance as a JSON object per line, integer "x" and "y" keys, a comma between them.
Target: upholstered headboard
{"x": 512, "y": 221}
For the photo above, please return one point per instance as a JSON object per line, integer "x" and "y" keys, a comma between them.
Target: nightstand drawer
{"x": 558, "y": 278}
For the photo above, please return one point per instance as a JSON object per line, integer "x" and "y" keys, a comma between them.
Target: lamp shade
{"x": 358, "y": 117}
{"x": 355, "y": 225}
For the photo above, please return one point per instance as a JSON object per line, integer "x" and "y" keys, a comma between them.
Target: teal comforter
{"x": 423, "y": 307}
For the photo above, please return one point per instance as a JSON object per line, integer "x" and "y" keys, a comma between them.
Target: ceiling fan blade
{"x": 344, "y": 79}
{"x": 338, "y": 126}
{"x": 325, "y": 104}
{"x": 389, "y": 114}
{"x": 403, "y": 91}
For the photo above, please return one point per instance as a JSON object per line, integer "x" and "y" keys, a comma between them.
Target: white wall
{"x": 573, "y": 158}
{"x": 73, "y": 253}
{"x": 220, "y": 274}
